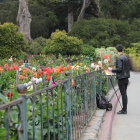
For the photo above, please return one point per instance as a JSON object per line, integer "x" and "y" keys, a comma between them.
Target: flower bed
{"x": 44, "y": 70}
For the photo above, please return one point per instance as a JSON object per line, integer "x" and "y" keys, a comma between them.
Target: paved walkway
{"x": 127, "y": 127}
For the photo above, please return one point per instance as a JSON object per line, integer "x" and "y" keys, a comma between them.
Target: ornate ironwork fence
{"x": 59, "y": 112}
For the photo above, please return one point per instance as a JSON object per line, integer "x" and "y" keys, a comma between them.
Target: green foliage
{"x": 6, "y": 79}
{"x": 137, "y": 47}
{"x": 35, "y": 46}
{"x": 11, "y": 41}
{"x": 134, "y": 49}
{"x": 60, "y": 42}
{"x": 3, "y": 99}
{"x": 104, "y": 86}
{"x": 49, "y": 15}
{"x": 120, "y": 9}
{"x": 134, "y": 54}
{"x": 134, "y": 34}
{"x": 106, "y": 32}
{"x": 111, "y": 49}
{"x": 8, "y": 10}
{"x": 88, "y": 51}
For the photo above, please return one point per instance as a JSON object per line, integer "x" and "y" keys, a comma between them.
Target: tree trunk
{"x": 86, "y": 3}
{"x": 70, "y": 20}
{"x": 24, "y": 19}
{"x": 97, "y": 7}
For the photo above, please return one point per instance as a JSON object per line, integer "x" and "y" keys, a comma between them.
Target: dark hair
{"x": 119, "y": 48}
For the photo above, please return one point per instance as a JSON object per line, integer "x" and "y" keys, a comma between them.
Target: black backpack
{"x": 102, "y": 102}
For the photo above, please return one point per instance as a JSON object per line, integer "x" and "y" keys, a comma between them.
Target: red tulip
{"x": 9, "y": 94}
{"x": 39, "y": 73}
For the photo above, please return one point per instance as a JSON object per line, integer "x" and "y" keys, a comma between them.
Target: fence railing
{"x": 59, "y": 112}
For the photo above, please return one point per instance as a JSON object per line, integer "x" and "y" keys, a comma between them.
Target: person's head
{"x": 119, "y": 48}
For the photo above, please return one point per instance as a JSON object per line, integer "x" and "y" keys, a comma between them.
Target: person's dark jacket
{"x": 122, "y": 67}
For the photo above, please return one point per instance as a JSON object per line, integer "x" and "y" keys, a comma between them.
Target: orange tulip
{"x": 1, "y": 69}
{"x": 24, "y": 73}
{"x": 68, "y": 67}
{"x": 57, "y": 70}
{"x": 72, "y": 82}
{"x": 48, "y": 77}
{"x": 35, "y": 75}
{"x": 52, "y": 70}
{"x": 87, "y": 69}
{"x": 65, "y": 68}
{"x": 109, "y": 54}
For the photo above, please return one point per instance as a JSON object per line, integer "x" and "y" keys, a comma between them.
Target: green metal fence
{"x": 59, "y": 112}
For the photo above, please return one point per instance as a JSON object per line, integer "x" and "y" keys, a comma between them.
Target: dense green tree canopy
{"x": 120, "y": 9}
{"x": 49, "y": 15}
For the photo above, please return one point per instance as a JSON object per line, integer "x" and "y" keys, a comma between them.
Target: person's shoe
{"x": 122, "y": 112}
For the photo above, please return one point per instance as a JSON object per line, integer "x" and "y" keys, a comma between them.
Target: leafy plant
{"x": 11, "y": 41}
{"x": 107, "y": 32}
{"x": 60, "y": 42}
{"x": 35, "y": 46}
{"x": 88, "y": 50}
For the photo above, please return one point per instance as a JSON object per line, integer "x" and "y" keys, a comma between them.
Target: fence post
{"x": 108, "y": 84}
{"x": 23, "y": 129}
{"x": 100, "y": 86}
{"x": 17, "y": 78}
{"x": 68, "y": 101}
{"x": 94, "y": 89}
{"x": 85, "y": 98}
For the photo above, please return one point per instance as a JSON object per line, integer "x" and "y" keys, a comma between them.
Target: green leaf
{"x": 3, "y": 98}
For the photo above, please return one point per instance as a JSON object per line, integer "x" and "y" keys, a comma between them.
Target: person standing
{"x": 122, "y": 71}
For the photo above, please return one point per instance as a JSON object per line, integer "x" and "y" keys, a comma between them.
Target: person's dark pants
{"x": 123, "y": 83}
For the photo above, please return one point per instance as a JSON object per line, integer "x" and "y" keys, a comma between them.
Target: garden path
{"x": 127, "y": 127}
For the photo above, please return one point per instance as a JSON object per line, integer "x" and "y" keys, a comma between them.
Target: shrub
{"x": 136, "y": 46}
{"x": 103, "y": 32}
{"x": 11, "y": 41}
{"x": 88, "y": 51}
{"x": 36, "y": 46}
{"x": 60, "y": 42}
{"x": 133, "y": 50}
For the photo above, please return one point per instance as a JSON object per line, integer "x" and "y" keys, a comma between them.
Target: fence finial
{"x": 22, "y": 89}
{"x": 67, "y": 73}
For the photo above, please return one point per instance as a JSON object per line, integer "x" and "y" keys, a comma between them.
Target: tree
{"x": 73, "y": 7}
{"x": 120, "y": 9}
{"x": 86, "y": 4}
{"x": 24, "y": 19}
{"x": 70, "y": 18}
